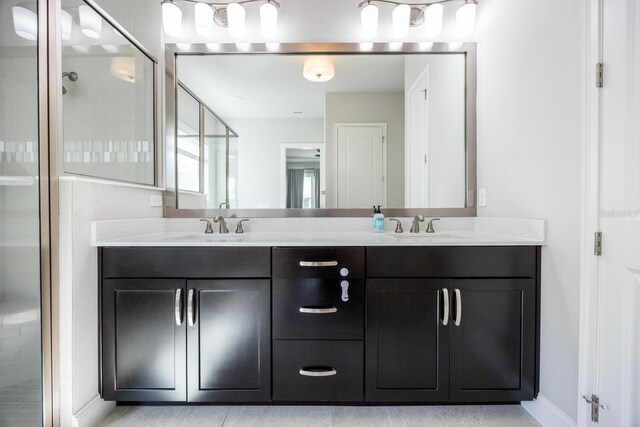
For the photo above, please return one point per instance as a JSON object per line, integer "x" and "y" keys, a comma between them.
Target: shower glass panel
{"x": 189, "y": 165}
{"x": 108, "y": 101}
{"x": 20, "y": 286}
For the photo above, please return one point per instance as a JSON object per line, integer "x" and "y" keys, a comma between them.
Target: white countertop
{"x": 319, "y": 232}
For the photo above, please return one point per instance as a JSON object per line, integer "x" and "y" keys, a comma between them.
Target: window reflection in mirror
{"x": 108, "y": 101}
{"x": 385, "y": 130}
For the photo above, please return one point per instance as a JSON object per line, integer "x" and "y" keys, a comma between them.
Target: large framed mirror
{"x": 321, "y": 129}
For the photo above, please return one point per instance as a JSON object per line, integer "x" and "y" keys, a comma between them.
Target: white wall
{"x": 529, "y": 157}
{"x": 368, "y": 108}
{"x": 259, "y": 169}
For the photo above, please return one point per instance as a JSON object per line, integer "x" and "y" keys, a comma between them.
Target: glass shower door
{"x": 20, "y": 283}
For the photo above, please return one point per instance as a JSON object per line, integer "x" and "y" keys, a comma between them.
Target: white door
{"x": 417, "y": 142}
{"x": 360, "y": 165}
{"x": 618, "y": 363}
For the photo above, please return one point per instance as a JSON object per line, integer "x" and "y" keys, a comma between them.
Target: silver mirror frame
{"x": 171, "y": 90}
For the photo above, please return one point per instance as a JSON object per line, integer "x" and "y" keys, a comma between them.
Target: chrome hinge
{"x": 597, "y": 243}
{"x": 599, "y": 74}
{"x": 594, "y": 401}
{"x": 383, "y": 139}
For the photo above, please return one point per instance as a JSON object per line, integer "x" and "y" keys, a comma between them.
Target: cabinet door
{"x": 229, "y": 340}
{"x": 493, "y": 348}
{"x": 143, "y": 340}
{"x": 407, "y": 341}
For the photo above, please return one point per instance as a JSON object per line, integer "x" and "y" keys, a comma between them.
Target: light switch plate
{"x": 482, "y": 197}
{"x": 155, "y": 201}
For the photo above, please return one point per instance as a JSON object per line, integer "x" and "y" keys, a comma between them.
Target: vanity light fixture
{"x": 466, "y": 17}
{"x": 224, "y": 14}
{"x": 318, "y": 68}
{"x": 90, "y": 22}
{"x": 171, "y": 18}
{"x": 25, "y": 23}
{"x": 427, "y": 13}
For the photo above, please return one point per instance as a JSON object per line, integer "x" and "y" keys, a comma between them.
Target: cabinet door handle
{"x": 458, "y": 296}
{"x": 191, "y": 308}
{"x": 445, "y": 305}
{"x": 178, "y": 307}
{"x": 318, "y": 263}
{"x": 318, "y": 372}
{"x": 318, "y": 310}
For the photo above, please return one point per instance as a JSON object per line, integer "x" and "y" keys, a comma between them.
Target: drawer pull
{"x": 318, "y": 263}
{"x": 318, "y": 310}
{"x": 318, "y": 371}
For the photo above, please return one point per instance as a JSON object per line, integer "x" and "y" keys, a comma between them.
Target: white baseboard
{"x": 547, "y": 413}
{"x": 91, "y": 414}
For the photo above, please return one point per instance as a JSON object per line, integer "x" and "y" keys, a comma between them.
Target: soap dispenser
{"x": 378, "y": 219}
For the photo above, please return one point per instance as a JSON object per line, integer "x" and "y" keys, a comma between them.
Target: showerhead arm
{"x": 71, "y": 75}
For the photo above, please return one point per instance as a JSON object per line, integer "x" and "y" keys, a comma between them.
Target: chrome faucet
{"x": 430, "y": 225}
{"x": 415, "y": 225}
{"x": 222, "y": 228}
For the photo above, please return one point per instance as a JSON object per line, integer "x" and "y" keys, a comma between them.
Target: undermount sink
{"x": 425, "y": 235}
{"x": 202, "y": 237}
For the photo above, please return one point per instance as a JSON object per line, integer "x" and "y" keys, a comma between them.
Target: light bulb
{"x": 269, "y": 19}
{"x": 400, "y": 18}
{"x": 433, "y": 20}
{"x": 369, "y": 21}
{"x": 66, "y": 24}
{"x": 25, "y": 23}
{"x": 204, "y": 19}
{"x": 466, "y": 17}
{"x": 90, "y": 22}
{"x": 171, "y": 19}
{"x": 235, "y": 17}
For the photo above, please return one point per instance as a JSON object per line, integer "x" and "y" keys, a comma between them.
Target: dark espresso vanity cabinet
{"x": 367, "y": 325}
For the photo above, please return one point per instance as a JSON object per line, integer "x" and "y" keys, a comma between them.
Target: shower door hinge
{"x": 599, "y": 74}
{"x": 597, "y": 243}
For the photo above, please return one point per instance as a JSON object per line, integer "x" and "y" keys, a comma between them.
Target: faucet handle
{"x": 209, "y": 229}
{"x": 430, "y": 225}
{"x": 239, "y": 229}
{"x": 398, "y": 225}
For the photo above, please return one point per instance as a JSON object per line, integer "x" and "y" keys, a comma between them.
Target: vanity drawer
{"x": 318, "y": 263}
{"x": 330, "y": 371}
{"x": 314, "y": 309}
{"x": 185, "y": 262}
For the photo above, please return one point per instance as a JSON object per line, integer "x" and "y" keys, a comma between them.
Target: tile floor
{"x": 320, "y": 416}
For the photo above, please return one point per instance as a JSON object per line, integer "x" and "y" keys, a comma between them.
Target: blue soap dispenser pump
{"x": 378, "y": 219}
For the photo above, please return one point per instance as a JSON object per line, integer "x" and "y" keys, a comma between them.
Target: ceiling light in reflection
{"x": 81, "y": 48}
{"x": 124, "y": 68}
{"x": 215, "y": 47}
{"x": 25, "y": 23}
{"x": 66, "y": 24}
{"x": 366, "y": 46}
{"x": 90, "y": 22}
{"x": 318, "y": 68}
